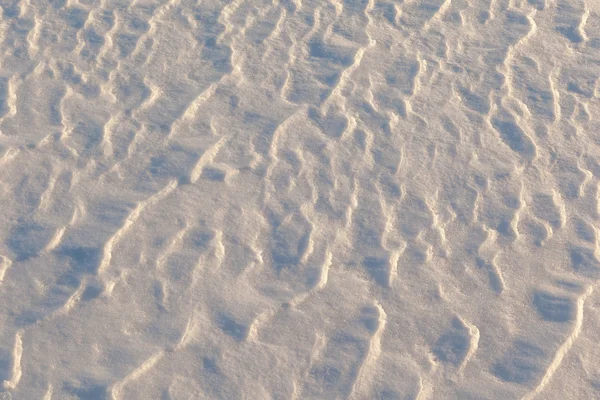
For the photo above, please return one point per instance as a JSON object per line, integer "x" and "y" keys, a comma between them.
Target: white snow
{"x": 299, "y": 199}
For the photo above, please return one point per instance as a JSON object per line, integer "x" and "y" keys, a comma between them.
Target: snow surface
{"x": 299, "y": 199}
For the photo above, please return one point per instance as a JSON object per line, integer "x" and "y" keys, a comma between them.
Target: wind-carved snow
{"x": 299, "y": 199}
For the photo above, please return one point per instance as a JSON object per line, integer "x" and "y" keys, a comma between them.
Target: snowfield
{"x": 299, "y": 199}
